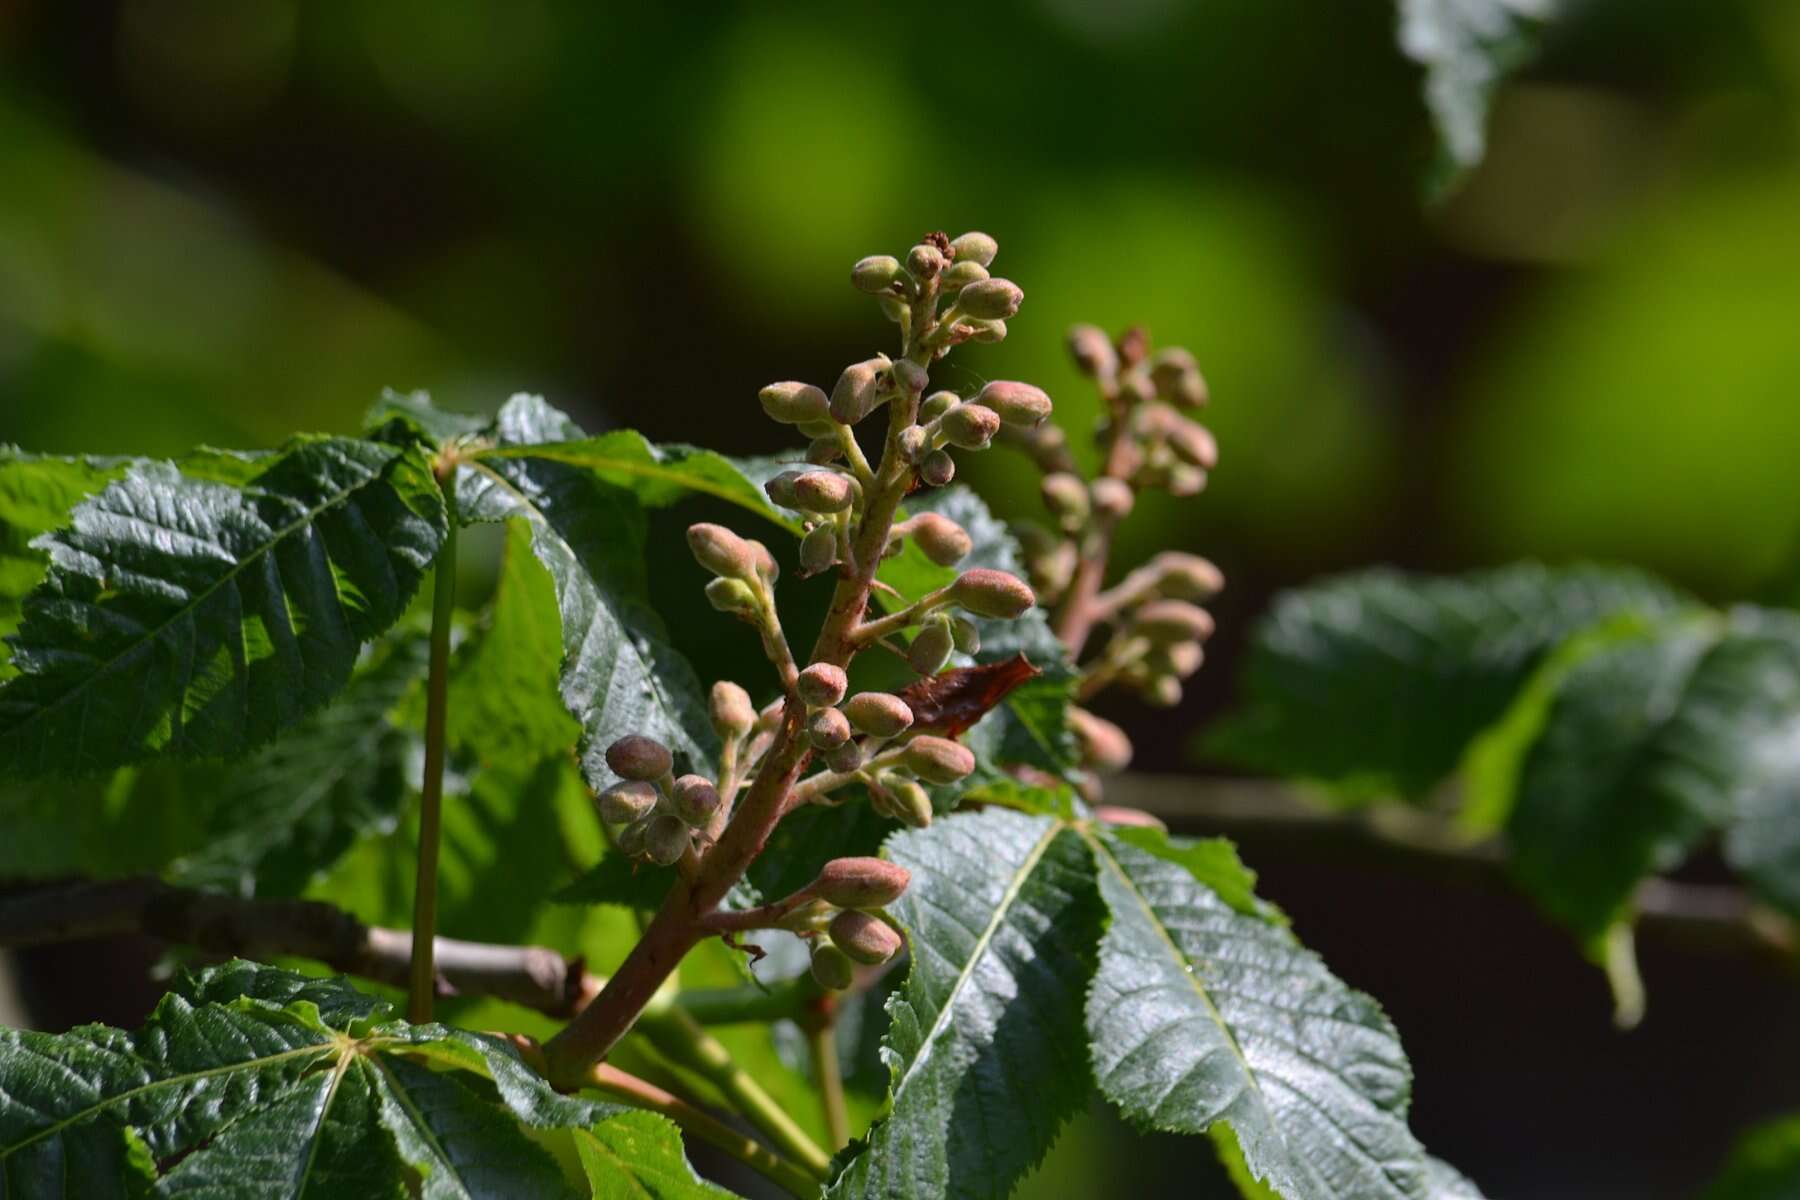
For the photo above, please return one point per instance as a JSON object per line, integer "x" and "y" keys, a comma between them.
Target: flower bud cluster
{"x": 844, "y": 920}
{"x": 655, "y": 815}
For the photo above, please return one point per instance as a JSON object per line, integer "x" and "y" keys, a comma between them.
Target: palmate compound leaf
{"x": 1377, "y": 682}
{"x": 187, "y": 614}
{"x": 1205, "y": 1009}
{"x": 251, "y": 1081}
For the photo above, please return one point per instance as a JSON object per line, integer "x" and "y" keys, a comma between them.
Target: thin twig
{"x": 422, "y": 984}
{"x": 822, "y": 1040}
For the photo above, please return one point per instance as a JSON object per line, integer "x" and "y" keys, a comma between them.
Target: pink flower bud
{"x": 938, "y": 469}
{"x": 878, "y": 714}
{"x": 1168, "y": 621}
{"x": 1186, "y": 576}
{"x": 721, "y": 551}
{"x": 1112, "y": 497}
{"x": 732, "y": 712}
{"x": 695, "y": 799}
{"x": 943, "y": 541}
{"x": 990, "y": 593}
{"x": 924, "y": 261}
{"x": 861, "y": 882}
{"x": 822, "y": 491}
{"x": 637, "y": 757}
{"x": 938, "y": 760}
{"x": 1067, "y": 499}
{"x": 859, "y": 390}
{"x": 1104, "y": 745}
{"x": 868, "y": 940}
{"x": 1093, "y": 352}
{"x": 793, "y": 403}
{"x": 827, "y": 729}
{"x": 822, "y": 685}
{"x": 1017, "y": 403}
{"x": 970, "y": 426}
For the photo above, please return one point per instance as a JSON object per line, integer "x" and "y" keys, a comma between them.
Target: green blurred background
{"x": 225, "y": 220}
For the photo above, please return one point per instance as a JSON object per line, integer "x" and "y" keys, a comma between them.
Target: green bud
{"x": 826, "y": 428}
{"x": 937, "y": 759}
{"x": 1164, "y": 622}
{"x": 861, "y": 882}
{"x": 827, "y": 729}
{"x": 818, "y": 550}
{"x": 1093, "y": 352}
{"x": 990, "y": 593}
{"x": 666, "y": 839}
{"x": 990, "y": 299}
{"x": 938, "y": 469}
{"x": 911, "y": 804}
{"x": 942, "y": 540}
{"x": 878, "y": 714}
{"x": 823, "y": 450}
{"x": 822, "y": 491}
{"x": 1186, "y": 576}
{"x": 988, "y": 331}
{"x": 960, "y": 275}
{"x": 875, "y": 274}
{"x": 1112, "y": 497}
{"x": 813, "y": 915}
{"x": 1067, "y": 499}
{"x": 930, "y": 650}
{"x": 924, "y": 261}
{"x": 1017, "y": 403}
{"x": 846, "y": 758}
{"x": 630, "y": 840}
{"x": 731, "y": 596}
{"x": 868, "y": 940}
{"x": 965, "y": 635}
{"x": 635, "y": 756}
{"x": 792, "y": 403}
{"x": 974, "y": 247}
{"x": 732, "y": 712}
{"x": 937, "y": 404}
{"x": 822, "y": 685}
{"x": 721, "y": 551}
{"x": 1104, "y": 745}
{"x": 626, "y": 801}
{"x": 970, "y": 426}
{"x": 859, "y": 390}
{"x": 831, "y": 967}
{"x": 695, "y": 799}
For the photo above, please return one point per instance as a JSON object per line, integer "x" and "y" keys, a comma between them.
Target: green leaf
{"x": 252, "y": 1081}
{"x": 986, "y": 1046}
{"x": 619, "y": 673}
{"x": 1205, "y": 1010}
{"x": 1649, "y": 746}
{"x": 1467, "y": 47}
{"x": 202, "y": 618}
{"x": 618, "y": 880}
{"x": 637, "y": 1156}
{"x": 1764, "y": 1165}
{"x": 402, "y": 416}
{"x": 1377, "y": 682}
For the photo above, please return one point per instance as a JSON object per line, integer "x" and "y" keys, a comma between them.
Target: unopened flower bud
{"x": 846, "y": 758}
{"x": 1104, "y": 745}
{"x": 731, "y": 710}
{"x": 666, "y": 839}
{"x": 815, "y": 430}
{"x": 626, "y": 801}
{"x": 813, "y": 915}
{"x": 943, "y": 541}
{"x": 966, "y": 637}
{"x": 1114, "y": 814}
{"x": 731, "y": 596}
{"x": 990, "y": 299}
{"x": 937, "y": 404}
{"x": 924, "y": 261}
{"x": 695, "y": 799}
{"x": 988, "y": 331}
{"x": 911, "y": 804}
{"x": 823, "y": 450}
{"x": 1186, "y": 576}
{"x": 1067, "y": 499}
{"x": 1162, "y": 691}
{"x": 878, "y": 714}
{"x": 970, "y": 426}
{"x": 990, "y": 593}
{"x": 1168, "y": 621}
{"x": 875, "y": 274}
{"x": 822, "y": 491}
{"x": 974, "y": 247}
{"x": 721, "y": 551}
{"x": 1112, "y": 497}
{"x": 938, "y": 760}
{"x": 766, "y": 566}
{"x": 911, "y": 377}
{"x": 938, "y": 469}
{"x": 1185, "y": 480}
{"x": 960, "y": 275}
{"x": 792, "y": 403}
{"x": 861, "y": 882}
{"x": 868, "y": 940}
{"x": 915, "y": 443}
{"x": 780, "y": 489}
{"x": 1093, "y": 352}
{"x": 1194, "y": 443}
{"x": 1135, "y": 388}
{"x": 1177, "y": 378}
{"x": 858, "y": 391}
{"x": 818, "y": 550}
{"x": 1180, "y": 660}
{"x": 635, "y": 756}
{"x": 821, "y": 685}
{"x": 1017, "y": 403}
{"x": 827, "y": 729}
{"x": 930, "y": 650}
{"x": 630, "y": 839}
{"x": 831, "y": 967}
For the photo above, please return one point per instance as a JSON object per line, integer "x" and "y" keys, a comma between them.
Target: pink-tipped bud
{"x": 1194, "y": 443}
{"x": 1185, "y": 480}
{"x": 635, "y": 756}
{"x": 938, "y": 760}
{"x": 1017, "y": 403}
{"x": 766, "y": 566}
{"x": 938, "y": 469}
{"x": 943, "y": 541}
{"x": 1112, "y": 498}
{"x": 721, "y": 551}
{"x": 1168, "y": 621}
{"x": 627, "y": 801}
{"x": 868, "y": 940}
{"x": 1104, "y": 745}
{"x": 974, "y": 247}
{"x": 990, "y": 299}
{"x": 827, "y": 729}
{"x": 1093, "y": 352}
{"x": 861, "y": 882}
{"x": 695, "y": 799}
{"x": 990, "y": 593}
{"x": 859, "y": 390}
{"x": 822, "y": 491}
{"x": 875, "y": 274}
{"x": 1114, "y": 814}
{"x": 924, "y": 261}
{"x": 822, "y": 685}
{"x": 731, "y": 710}
{"x": 879, "y": 714}
{"x": 794, "y": 403}
{"x": 970, "y": 426}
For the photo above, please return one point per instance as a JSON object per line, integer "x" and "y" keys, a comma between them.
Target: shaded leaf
{"x": 201, "y": 618}
{"x": 986, "y": 1045}
{"x": 1377, "y": 682}
{"x": 1764, "y": 1165}
{"x": 1204, "y": 1010}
